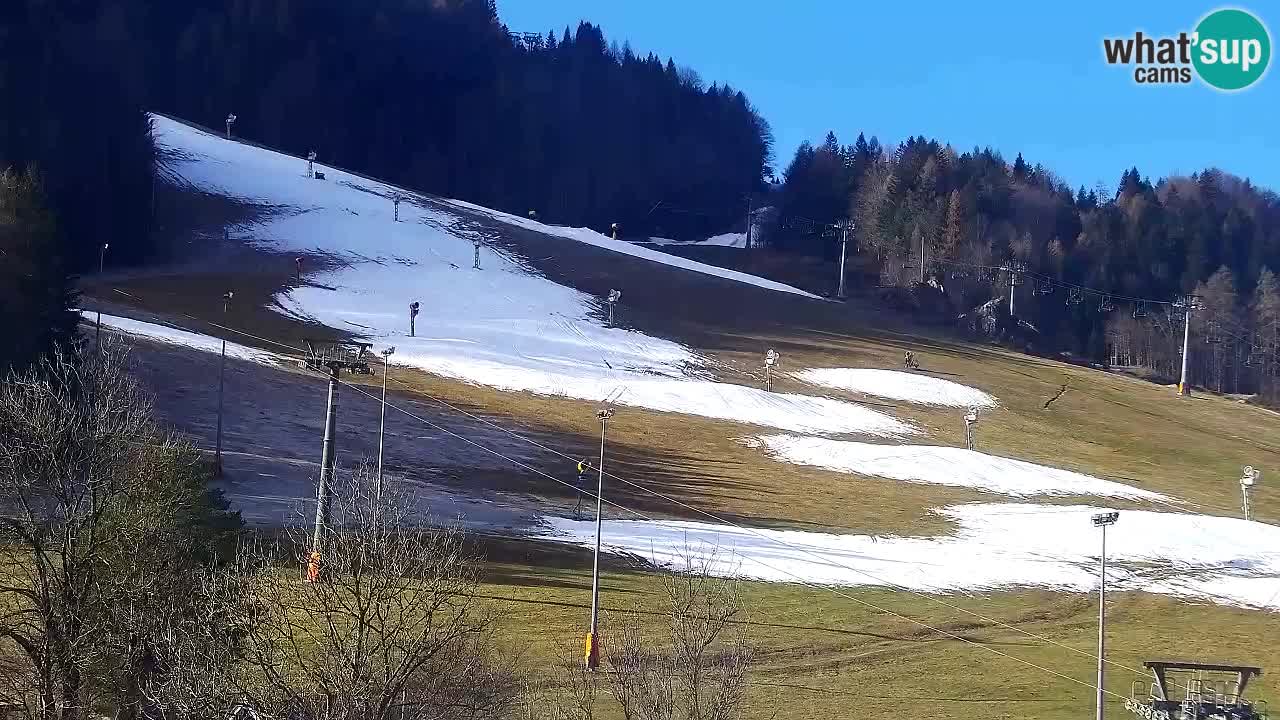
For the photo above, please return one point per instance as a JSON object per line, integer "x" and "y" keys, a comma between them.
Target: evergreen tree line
{"x": 437, "y": 96}
{"x": 441, "y": 97}
{"x": 1084, "y": 261}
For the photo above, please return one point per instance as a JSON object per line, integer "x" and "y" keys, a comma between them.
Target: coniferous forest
{"x": 442, "y": 97}
{"x": 1096, "y": 271}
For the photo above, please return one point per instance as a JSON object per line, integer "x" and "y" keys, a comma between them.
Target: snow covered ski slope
{"x": 502, "y": 325}
{"x": 1222, "y": 560}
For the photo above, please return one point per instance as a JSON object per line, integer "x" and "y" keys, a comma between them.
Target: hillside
{"x": 847, "y": 488}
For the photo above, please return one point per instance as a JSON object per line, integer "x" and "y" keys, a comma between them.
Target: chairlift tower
{"x": 1015, "y": 269}
{"x": 311, "y": 164}
{"x": 1187, "y": 303}
{"x": 231, "y": 120}
{"x": 1195, "y": 691}
{"x": 334, "y": 356}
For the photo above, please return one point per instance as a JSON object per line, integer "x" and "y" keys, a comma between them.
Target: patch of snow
{"x": 503, "y": 325}
{"x": 173, "y": 336}
{"x": 733, "y": 240}
{"x": 897, "y": 385}
{"x": 995, "y": 546}
{"x": 936, "y": 465}
{"x": 591, "y": 237}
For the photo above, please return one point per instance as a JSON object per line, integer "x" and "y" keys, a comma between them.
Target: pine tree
{"x": 1019, "y": 168}
{"x": 35, "y": 292}
{"x": 953, "y": 230}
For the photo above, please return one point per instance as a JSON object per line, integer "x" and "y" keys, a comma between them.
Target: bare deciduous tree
{"x": 390, "y": 632}
{"x": 700, "y": 673}
{"x": 102, "y": 517}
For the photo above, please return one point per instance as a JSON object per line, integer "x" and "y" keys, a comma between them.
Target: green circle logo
{"x": 1232, "y": 49}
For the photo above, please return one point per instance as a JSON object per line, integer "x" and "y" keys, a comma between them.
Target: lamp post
{"x": 593, "y": 649}
{"x": 1247, "y": 481}
{"x": 231, "y": 119}
{"x": 382, "y": 423}
{"x": 102, "y": 260}
{"x": 970, "y": 419}
{"x": 222, "y": 370}
{"x": 1102, "y": 520}
{"x": 770, "y": 360}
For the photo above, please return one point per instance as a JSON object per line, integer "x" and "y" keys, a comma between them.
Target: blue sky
{"x": 1019, "y": 76}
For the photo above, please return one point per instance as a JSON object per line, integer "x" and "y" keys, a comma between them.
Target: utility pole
{"x": 326, "y": 460}
{"x": 592, "y": 649}
{"x": 382, "y": 423}
{"x": 102, "y": 259}
{"x": 1102, "y": 520}
{"x": 844, "y": 242}
{"x": 1189, "y": 304}
{"x": 747, "y": 240}
{"x": 222, "y": 371}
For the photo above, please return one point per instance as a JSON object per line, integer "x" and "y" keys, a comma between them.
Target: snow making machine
{"x": 1195, "y": 691}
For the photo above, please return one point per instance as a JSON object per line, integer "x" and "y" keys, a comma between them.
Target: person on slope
{"x": 582, "y": 487}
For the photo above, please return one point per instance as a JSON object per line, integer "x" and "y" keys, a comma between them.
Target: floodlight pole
{"x": 326, "y": 459}
{"x": 1102, "y": 520}
{"x": 593, "y": 649}
{"x": 102, "y": 260}
{"x": 844, "y": 241}
{"x": 222, "y": 370}
{"x": 382, "y": 423}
